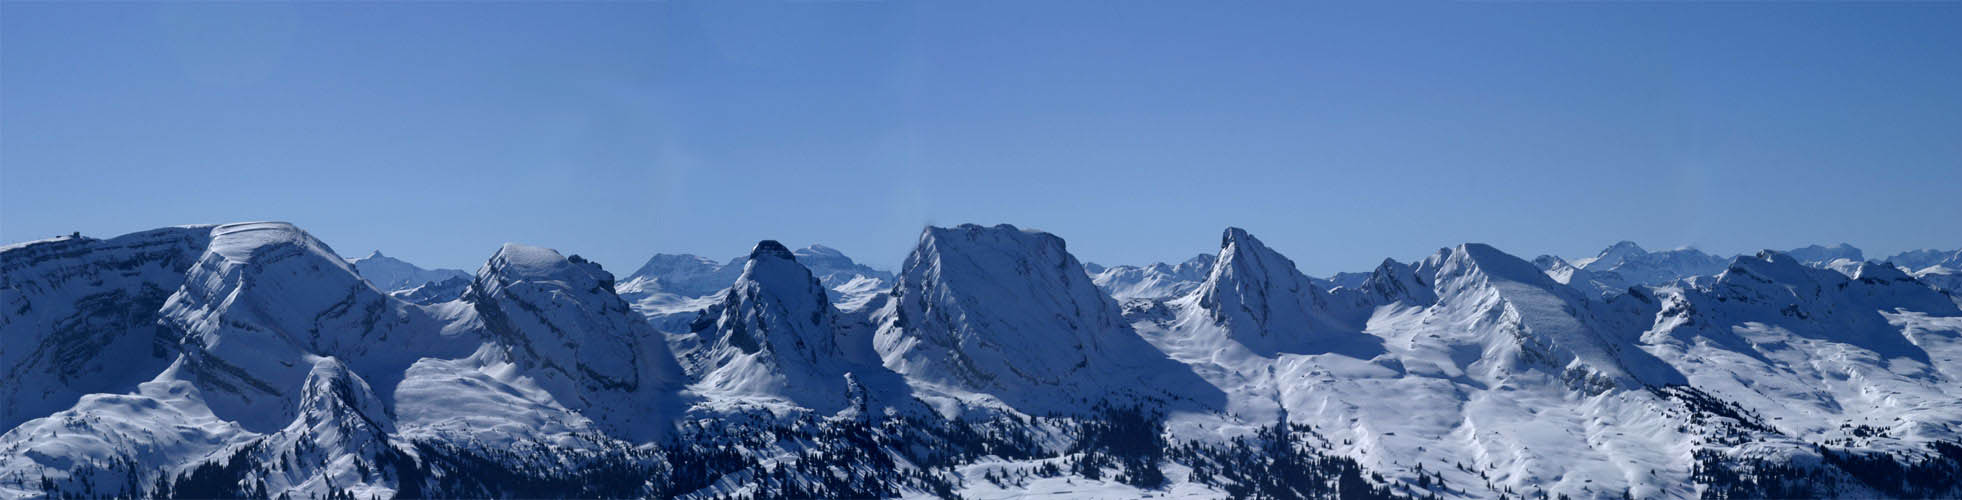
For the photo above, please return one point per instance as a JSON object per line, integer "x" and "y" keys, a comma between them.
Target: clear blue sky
{"x": 1338, "y": 133}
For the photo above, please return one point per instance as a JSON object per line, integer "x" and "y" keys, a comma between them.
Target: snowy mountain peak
{"x": 1768, "y": 266}
{"x": 772, "y": 335}
{"x": 1393, "y": 282}
{"x": 662, "y": 262}
{"x": 1261, "y": 298}
{"x": 557, "y": 319}
{"x": 1818, "y": 256}
{"x": 241, "y": 242}
{"x": 263, "y": 295}
{"x": 247, "y": 360}
{"x": 393, "y": 275}
{"x": 523, "y": 262}
{"x": 1774, "y": 277}
{"x": 1234, "y": 235}
{"x": 682, "y": 275}
{"x": 672, "y": 290}
{"x": 333, "y": 394}
{"x": 1492, "y": 262}
{"x": 1623, "y": 247}
{"x": 770, "y": 249}
{"x": 850, "y": 284}
{"x": 1551, "y": 263}
{"x": 1541, "y": 323}
{"x": 1008, "y": 313}
{"x": 1877, "y": 272}
{"x": 1628, "y": 261}
{"x": 1599, "y": 284}
{"x": 1613, "y": 256}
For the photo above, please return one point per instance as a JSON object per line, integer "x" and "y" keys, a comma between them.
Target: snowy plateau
{"x": 251, "y": 360}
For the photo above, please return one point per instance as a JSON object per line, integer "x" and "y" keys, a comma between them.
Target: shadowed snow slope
{"x": 81, "y": 316}
{"x": 558, "y": 321}
{"x": 1010, "y": 314}
{"x": 266, "y": 294}
{"x": 773, "y": 335}
{"x": 253, "y": 311}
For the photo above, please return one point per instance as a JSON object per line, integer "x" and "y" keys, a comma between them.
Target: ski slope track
{"x": 252, "y": 360}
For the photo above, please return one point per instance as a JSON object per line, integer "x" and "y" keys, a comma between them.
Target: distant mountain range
{"x": 251, "y": 360}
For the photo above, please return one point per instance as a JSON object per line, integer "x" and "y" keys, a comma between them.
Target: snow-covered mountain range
{"x": 671, "y": 289}
{"x": 251, "y": 360}
{"x": 391, "y": 274}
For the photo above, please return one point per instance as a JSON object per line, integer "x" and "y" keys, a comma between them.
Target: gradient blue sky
{"x": 1338, "y": 133}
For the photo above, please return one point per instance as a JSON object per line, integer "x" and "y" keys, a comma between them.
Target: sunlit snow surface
{"x": 183, "y": 346}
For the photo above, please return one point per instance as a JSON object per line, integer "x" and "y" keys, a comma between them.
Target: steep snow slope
{"x": 984, "y": 314}
{"x": 557, "y": 322}
{"x": 1811, "y": 348}
{"x": 1542, "y": 323}
{"x": 1472, "y": 358}
{"x": 392, "y": 274}
{"x": 257, "y": 305}
{"x": 264, "y": 295}
{"x": 1864, "y": 364}
{"x": 341, "y": 428}
{"x": 773, "y": 335}
{"x": 277, "y": 350}
{"x": 1263, "y": 302}
{"x": 81, "y": 316}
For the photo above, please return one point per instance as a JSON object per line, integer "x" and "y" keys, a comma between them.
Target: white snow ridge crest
{"x": 249, "y": 360}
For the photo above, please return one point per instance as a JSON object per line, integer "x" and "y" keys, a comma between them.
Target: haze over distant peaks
{"x": 390, "y": 274}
